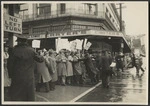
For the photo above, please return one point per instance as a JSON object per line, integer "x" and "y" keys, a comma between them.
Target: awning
{"x": 111, "y": 37}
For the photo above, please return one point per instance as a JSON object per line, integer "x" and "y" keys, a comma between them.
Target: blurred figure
{"x": 61, "y": 67}
{"x": 22, "y": 71}
{"x": 83, "y": 67}
{"x": 43, "y": 73}
{"x": 119, "y": 61}
{"x": 138, "y": 63}
{"x": 91, "y": 70}
{"x": 99, "y": 65}
{"x": 69, "y": 68}
{"x": 77, "y": 71}
{"x": 52, "y": 65}
{"x": 7, "y": 80}
{"x": 106, "y": 61}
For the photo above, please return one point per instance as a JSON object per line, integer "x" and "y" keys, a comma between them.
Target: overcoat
{"x": 7, "y": 80}
{"x": 22, "y": 73}
{"x": 89, "y": 65}
{"x": 43, "y": 72}
{"x": 77, "y": 70}
{"x": 61, "y": 65}
{"x": 52, "y": 66}
{"x": 69, "y": 66}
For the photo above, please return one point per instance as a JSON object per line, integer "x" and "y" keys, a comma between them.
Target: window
{"x": 24, "y": 11}
{"x": 110, "y": 16}
{"x": 44, "y": 9}
{"x": 62, "y": 8}
{"x": 91, "y": 8}
{"x": 106, "y": 10}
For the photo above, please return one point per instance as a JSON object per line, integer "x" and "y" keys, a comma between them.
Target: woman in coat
{"x": 61, "y": 67}
{"x": 52, "y": 66}
{"x": 69, "y": 68}
{"x": 43, "y": 73}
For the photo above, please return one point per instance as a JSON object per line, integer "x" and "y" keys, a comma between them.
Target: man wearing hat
{"x": 22, "y": 71}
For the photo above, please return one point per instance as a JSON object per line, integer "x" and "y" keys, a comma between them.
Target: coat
{"x": 52, "y": 66}
{"x": 89, "y": 65}
{"x": 119, "y": 61}
{"x": 69, "y": 66}
{"x": 7, "y": 80}
{"x": 77, "y": 70}
{"x": 22, "y": 73}
{"x": 61, "y": 65}
{"x": 43, "y": 72}
{"x": 106, "y": 62}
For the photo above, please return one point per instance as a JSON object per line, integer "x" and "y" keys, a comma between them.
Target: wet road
{"x": 127, "y": 88}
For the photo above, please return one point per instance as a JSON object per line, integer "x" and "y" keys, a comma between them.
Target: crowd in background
{"x": 27, "y": 67}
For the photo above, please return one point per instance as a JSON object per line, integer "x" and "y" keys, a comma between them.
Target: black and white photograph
{"x": 74, "y": 52}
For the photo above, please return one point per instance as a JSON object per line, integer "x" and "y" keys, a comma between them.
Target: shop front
{"x": 100, "y": 40}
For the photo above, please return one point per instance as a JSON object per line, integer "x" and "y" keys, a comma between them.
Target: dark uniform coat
{"x": 106, "y": 71}
{"x": 22, "y": 73}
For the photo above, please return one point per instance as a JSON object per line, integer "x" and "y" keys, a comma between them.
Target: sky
{"x": 135, "y": 16}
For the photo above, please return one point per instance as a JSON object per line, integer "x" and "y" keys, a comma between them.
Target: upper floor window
{"x": 91, "y": 8}
{"x": 23, "y": 10}
{"x": 106, "y": 10}
{"x": 44, "y": 9}
{"x": 62, "y": 8}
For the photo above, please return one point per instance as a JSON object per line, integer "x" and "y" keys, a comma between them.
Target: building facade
{"x": 54, "y": 19}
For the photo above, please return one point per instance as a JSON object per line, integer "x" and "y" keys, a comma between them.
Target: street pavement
{"x": 126, "y": 88}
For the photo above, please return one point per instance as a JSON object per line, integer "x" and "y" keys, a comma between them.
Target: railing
{"x": 68, "y": 12}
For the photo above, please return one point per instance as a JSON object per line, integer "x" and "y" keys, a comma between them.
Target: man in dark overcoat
{"x": 119, "y": 61}
{"x": 106, "y": 61}
{"x": 22, "y": 71}
{"x": 91, "y": 69}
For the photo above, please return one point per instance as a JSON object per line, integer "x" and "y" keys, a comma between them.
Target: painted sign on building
{"x": 79, "y": 33}
{"x": 12, "y": 24}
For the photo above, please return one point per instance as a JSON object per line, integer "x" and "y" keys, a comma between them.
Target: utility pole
{"x": 120, "y": 17}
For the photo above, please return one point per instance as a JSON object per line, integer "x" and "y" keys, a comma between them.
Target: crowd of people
{"x": 30, "y": 69}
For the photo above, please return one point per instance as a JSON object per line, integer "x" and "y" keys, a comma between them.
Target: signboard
{"x": 36, "y": 43}
{"x": 88, "y": 45}
{"x": 80, "y": 32}
{"x": 73, "y": 45}
{"x": 12, "y": 24}
{"x": 79, "y": 44}
{"x": 106, "y": 33}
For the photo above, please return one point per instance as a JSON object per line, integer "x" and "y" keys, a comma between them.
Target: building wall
{"x": 111, "y": 14}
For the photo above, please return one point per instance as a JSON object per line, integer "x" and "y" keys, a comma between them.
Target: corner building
{"x": 98, "y": 22}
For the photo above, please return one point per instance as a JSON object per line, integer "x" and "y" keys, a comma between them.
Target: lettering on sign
{"x": 12, "y": 24}
{"x": 65, "y": 33}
